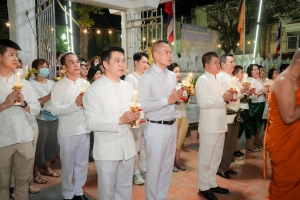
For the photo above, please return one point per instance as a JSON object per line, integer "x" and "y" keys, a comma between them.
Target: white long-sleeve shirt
{"x": 105, "y": 102}
{"x": 133, "y": 79}
{"x": 155, "y": 88}
{"x": 209, "y": 93}
{"x": 259, "y": 85}
{"x": 14, "y": 125}
{"x": 226, "y": 80}
{"x": 71, "y": 119}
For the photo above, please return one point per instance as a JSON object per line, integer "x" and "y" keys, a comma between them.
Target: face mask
{"x": 44, "y": 72}
{"x": 15, "y": 71}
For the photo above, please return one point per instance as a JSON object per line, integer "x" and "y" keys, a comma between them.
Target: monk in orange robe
{"x": 282, "y": 139}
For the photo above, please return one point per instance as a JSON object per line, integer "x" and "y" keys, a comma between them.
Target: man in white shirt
{"x": 73, "y": 137}
{"x": 15, "y": 132}
{"x": 158, "y": 95}
{"x": 233, "y": 110}
{"x": 211, "y": 98}
{"x": 107, "y": 104}
{"x": 140, "y": 66}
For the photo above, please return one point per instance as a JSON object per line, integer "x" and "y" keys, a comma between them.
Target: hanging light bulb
{"x": 85, "y": 31}
{"x": 144, "y": 39}
{"x": 7, "y": 24}
{"x": 109, "y": 31}
{"x": 98, "y": 31}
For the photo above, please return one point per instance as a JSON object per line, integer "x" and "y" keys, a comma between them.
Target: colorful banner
{"x": 199, "y": 38}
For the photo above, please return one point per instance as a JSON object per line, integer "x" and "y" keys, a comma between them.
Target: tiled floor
{"x": 247, "y": 185}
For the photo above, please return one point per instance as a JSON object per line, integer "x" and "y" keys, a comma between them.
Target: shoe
{"x": 175, "y": 169}
{"x": 231, "y": 172}
{"x": 12, "y": 196}
{"x": 220, "y": 190}
{"x": 137, "y": 180}
{"x": 208, "y": 194}
{"x": 223, "y": 175}
{"x": 181, "y": 167}
{"x": 254, "y": 149}
{"x": 33, "y": 189}
{"x": 143, "y": 175}
{"x": 237, "y": 154}
{"x": 80, "y": 197}
{"x": 241, "y": 153}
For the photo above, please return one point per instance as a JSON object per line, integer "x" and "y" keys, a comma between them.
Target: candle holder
{"x": 135, "y": 107}
{"x": 235, "y": 92}
{"x": 251, "y": 91}
{"x": 82, "y": 92}
{"x": 18, "y": 86}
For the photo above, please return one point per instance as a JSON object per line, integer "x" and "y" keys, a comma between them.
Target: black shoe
{"x": 220, "y": 190}
{"x": 237, "y": 154}
{"x": 208, "y": 194}
{"x": 80, "y": 197}
{"x": 223, "y": 175}
{"x": 241, "y": 153}
{"x": 231, "y": 172}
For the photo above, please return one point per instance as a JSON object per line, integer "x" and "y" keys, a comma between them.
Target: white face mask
{"x": 21, "y": 71}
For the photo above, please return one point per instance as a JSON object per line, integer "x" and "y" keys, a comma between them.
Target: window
{"x": 273, "y": 37}
{"x": 292, "y": 42}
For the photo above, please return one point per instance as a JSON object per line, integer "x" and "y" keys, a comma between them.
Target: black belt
{"x": 163, "y": 122}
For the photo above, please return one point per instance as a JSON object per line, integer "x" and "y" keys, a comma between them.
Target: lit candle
{"x": 127, "y": 72}
{"x": 26, "y": 68}
{"x": 84, "y": 85}
{"x": 18, "y": 80}
{"x": 134, "y": 96}
{"x": 245, "y": 77}
{"x": 189, "y": 78}
{"x": 267, "y": 81}
{"x": 233, "y": 80}
{"x": 252, "y": 84}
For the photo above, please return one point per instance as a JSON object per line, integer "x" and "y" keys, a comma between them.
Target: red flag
{"x": 169, "y": 11}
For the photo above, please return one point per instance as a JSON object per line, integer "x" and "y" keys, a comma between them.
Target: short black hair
{"x": 270, "y": 73}
{"x": 236, "y": 70}
{"x": 260, "y": 67}
{"x": 106, "y": 53}
{"x": 139, "y": 55}
{"x": 250, "y": 68}
{"x": 63, "y": 58}
{"x": 92, "y": 71}
{"x": 206, "y": 58}
{"x": 173, "y": 66}
{"x": 58, "y": 53}
{"x": 283, "y": 67}
{"x": 4, "y": 43}
{"x": 223, "y": 58}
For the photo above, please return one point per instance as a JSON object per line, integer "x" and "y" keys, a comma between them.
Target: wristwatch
{"x": 25, "y": 104}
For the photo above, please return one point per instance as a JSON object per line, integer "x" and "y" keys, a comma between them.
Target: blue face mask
{"x": 44, "y": 72}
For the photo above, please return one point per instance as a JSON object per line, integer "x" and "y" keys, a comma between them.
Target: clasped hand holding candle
{"x": 135, "y": 107}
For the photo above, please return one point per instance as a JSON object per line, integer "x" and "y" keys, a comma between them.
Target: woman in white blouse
{"x": 257, "y": 107}
{"x": 46, "y": 147}
{"x": 181, "y": 121}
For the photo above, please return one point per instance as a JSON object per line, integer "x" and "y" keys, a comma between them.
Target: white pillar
{"x": 20, "y": 30}
{"x": 124, "y": 36}
{"x": 134, "y": 38}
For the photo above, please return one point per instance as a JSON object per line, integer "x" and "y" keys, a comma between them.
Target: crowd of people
{"x": 86, "y": 116}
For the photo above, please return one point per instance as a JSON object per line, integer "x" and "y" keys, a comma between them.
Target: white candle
{"x": 26, "y": 68}
{"x": 18, "y": 80}
{"x": 252, "y": 84}
{"x": 84, "y": 85}
{"x": 233, "y": 80}
{"x": 134, "y": 96}
{"x": 245, "y": 77}
{"x": 267, "y": 81}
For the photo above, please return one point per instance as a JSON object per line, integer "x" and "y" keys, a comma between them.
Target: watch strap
{"x": 25, "y": 104}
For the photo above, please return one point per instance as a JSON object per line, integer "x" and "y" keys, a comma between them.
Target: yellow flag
{"x": 241, "y": 28}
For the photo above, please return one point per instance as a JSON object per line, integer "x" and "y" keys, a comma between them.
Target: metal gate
{"x": 143, "y": 29}
{"x": 45, "y": 17}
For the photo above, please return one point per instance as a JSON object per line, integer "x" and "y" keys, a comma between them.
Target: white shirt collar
{"x": 159, "y": 70}
{"x": 111, "y": 82}
{"x": 210, "y": 75}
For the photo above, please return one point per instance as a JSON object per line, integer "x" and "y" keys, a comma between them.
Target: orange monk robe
{"x": 283, "y": 144}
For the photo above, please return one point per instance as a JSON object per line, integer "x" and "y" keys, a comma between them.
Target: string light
{"x": 249, "y": 42}
{"x": 153, "y": 40}
{"x": 109, "y": 32}
{"x": 7, "y": 24}
{"x": 172, "y": 43}
{"x": 238, "y": 44}
{"x": 85, "y": 31}
{"x": 144, "y": 39}
{"x": 98, "y": 31}
{"x": 219, "y": 45}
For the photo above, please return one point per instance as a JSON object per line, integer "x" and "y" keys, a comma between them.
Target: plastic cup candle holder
{"x": 18, "y": 86}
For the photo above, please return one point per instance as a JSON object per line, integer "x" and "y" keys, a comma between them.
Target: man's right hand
{"x": 79, "y": 100}
{"x": 174, "y": 96}
{"x": 10, "y": 99}
{"x": 227, "y": 96}
{"x": 128, "y": 117}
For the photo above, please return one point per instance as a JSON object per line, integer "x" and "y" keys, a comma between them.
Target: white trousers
{"x": 115, "y": 179}
{"x": 160, "y": 147}
{"x": 209, "y": 158}
{"x": 139, "y": 140}
{"x": 74, "y": 157}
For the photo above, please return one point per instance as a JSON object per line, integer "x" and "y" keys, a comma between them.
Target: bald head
{"x": 161, "y": 53}
{"x": 296, "y": 58}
